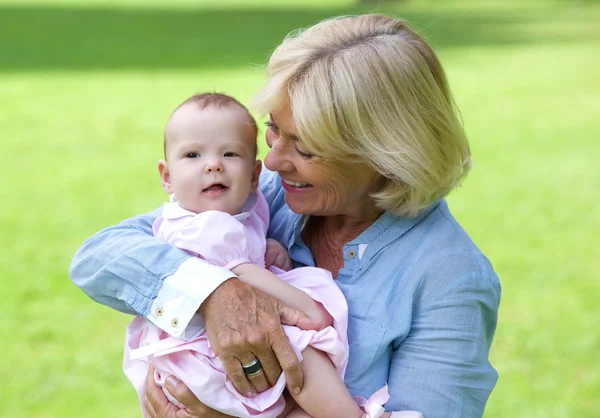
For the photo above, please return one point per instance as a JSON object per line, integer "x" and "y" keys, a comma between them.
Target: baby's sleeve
{"x": 215, "y": 236}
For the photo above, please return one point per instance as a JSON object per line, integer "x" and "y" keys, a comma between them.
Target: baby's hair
{"x": 219, "y": 100}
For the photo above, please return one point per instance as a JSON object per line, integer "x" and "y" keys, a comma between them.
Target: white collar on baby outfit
{"x": 172, "y": 209}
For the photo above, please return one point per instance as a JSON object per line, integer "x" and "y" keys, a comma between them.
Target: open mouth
{"x": 296, "y": 186}
{"x": 215, "y": 189}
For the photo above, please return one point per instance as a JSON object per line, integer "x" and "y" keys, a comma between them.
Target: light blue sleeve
{"x": 124, "y": 266}
{"x": 441, "y": 368}
{"x": 270, "y": 186}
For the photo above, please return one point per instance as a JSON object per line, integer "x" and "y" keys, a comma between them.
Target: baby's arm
{"x": 324, "y": 394}
{"x": 262, "y": 279}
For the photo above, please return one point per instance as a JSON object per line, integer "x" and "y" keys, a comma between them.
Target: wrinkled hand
{"x": 276, "y": 255}
{"x": 243, "y": 323}
{"x": 158, "y": 406}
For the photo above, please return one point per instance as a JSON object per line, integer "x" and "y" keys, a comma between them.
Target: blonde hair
{"x": 369, "y": 89}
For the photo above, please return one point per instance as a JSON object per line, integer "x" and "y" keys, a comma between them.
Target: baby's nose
{"x": 214, "y": 166}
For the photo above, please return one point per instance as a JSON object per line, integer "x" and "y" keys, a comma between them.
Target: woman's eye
{"x": 271, "y": 126}
{"x": 303, "y": 154}
{"x": 192, "y": 155}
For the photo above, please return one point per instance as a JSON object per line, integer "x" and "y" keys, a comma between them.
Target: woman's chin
{"x": 301, "y": 206}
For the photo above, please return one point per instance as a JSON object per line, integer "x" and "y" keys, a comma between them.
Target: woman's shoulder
{"x": 438, "y": 256}
{"x": 437, "y": 237}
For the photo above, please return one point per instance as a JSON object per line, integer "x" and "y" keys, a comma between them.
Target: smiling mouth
{"x": 297, "y": 184}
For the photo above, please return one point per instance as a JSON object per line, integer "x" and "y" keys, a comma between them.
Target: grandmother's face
{"x": 313, "y": 185}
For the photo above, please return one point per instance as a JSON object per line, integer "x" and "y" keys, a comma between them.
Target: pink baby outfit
{"x": 228, "y": 241}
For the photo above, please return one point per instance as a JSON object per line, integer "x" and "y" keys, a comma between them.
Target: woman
{"x": 365, "y": 144}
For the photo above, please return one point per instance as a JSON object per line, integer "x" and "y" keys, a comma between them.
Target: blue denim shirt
{"x": 423, "y": 300}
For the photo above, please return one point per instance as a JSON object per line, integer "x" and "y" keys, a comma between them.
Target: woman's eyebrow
{"x": 292, "y": 137}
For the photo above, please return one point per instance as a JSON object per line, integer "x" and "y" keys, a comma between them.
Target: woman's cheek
{"x": 269, "y": 138}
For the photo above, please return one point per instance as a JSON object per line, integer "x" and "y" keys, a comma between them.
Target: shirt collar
{"x": 387, "y": 228}
{"x": 382, "y": 232}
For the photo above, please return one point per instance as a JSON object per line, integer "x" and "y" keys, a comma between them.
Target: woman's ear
{"x": 255, "y": 175}
{"x": 165, "y": 176}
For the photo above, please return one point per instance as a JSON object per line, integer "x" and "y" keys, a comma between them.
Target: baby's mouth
{"x": 215, "y": 189}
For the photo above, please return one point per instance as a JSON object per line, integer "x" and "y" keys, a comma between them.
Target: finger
{"x": 270, "y": 365}
{"x": 155, "y": 396}
{"x": 269, "y": 259}
{"x": 281, "y": 261}
{"x": 259, "y": 381}
{"x": 307, "y": 324}
{"x": 289, "y": 362}
{"x": 181, "y": 392}
{"x": 291, "y": 316}
{"x": 287, "y": 264}
{"x": 149, "y": 407}
{"x": 233, "y": 369}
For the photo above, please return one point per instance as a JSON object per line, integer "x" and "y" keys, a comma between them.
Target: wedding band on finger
{"x": 253, "y": 368}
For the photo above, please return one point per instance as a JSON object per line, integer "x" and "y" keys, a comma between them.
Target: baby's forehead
{"x": 191, "y": 113}
{"x": 188, "y": 117}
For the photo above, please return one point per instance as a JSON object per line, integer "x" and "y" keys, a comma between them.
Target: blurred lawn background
{"x": 85, "y": 90}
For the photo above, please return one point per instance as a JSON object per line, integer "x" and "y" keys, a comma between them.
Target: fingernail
{"x": 249, "y": 394}
{"x": 173, "y": 381}
{"x": 296, "y": 391}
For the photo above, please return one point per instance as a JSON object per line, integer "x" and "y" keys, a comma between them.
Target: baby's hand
{"x": 277, "y": 256}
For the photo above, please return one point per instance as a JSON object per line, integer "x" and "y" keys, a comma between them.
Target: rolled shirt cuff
{"x": 175, "y": 308}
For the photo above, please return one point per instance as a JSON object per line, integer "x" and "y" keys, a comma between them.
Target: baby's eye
{"x": 192, "y": 155}
{"x": 230, "y": 154}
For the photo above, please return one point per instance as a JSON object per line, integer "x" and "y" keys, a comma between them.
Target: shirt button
{"x": 160, "y": 311}
{"x": 175, "y": 322}
{"x": 351, "y": 254}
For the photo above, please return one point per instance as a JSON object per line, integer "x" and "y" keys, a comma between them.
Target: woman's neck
{"x": 344, "y": 228}
{"x": 326, "y": 236}
{"x": 337, "y": 231}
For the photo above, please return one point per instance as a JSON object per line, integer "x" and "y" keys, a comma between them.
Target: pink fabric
{"x": 374, "y": 405}
{"x": 227, "y": 241}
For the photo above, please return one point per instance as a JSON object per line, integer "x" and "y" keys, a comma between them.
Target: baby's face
{"x": 211, "y": 162}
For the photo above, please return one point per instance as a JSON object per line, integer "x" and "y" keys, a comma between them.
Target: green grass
{"x": 86, "y": 87}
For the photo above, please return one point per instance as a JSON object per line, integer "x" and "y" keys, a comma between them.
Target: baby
{"x": 217, "y": 213}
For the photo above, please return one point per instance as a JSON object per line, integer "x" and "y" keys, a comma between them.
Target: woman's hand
{"x": 243, "y": 323}
{"x": 158, "y": 406}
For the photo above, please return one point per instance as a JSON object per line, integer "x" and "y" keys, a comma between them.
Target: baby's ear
{"x": 165, "y": 176}
{"x": 256, "y": 175}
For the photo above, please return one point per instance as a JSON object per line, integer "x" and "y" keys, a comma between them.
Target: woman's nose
{"x": 277, "y": 158}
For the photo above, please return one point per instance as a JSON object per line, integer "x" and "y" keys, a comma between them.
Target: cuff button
{"x": 175, "y": 322}
{"x": 160, "y": 311}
